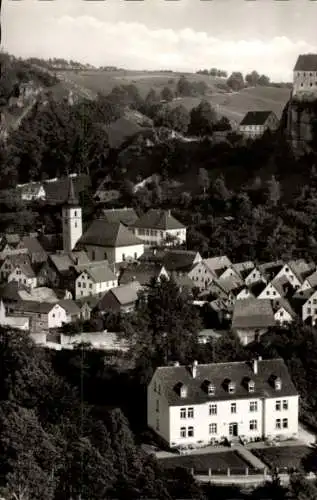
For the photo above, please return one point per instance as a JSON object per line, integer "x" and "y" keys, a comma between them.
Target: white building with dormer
{"x": 305, "y": 75}
{"x": 201, "y": 404}
{"x": 71, "y": 220}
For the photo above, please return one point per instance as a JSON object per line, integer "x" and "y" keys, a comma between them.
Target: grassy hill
{"x": 232, "y": 105}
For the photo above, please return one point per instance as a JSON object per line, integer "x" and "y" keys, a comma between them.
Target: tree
{"x": 274, "y": 191}
{"x": 173, "y": 118}
{"x": 167, "y": 94}
{"x": 151, "y": 98}
{"x": 252, "y": 78}
{"x": 203, "y": 180}
{"x": 264, "y": 80}
{"x": 202, "y": 119}
{"x": 183, "y": 87}
{"x": 301, "y": 488}
{"x": 235, "y": 81}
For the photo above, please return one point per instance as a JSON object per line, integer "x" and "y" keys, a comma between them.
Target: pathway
{"x": 249, "y": 457}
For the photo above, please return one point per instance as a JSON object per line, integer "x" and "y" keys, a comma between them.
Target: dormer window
{"x": 183, "y": 391}
{"x": 211, "y": 389}
{"x": 251, "y": 386}
{"x": 231, "y": 387}
{"x": 278, "y": 384}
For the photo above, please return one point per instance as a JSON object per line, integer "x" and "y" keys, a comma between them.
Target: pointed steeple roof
{"x": 72, "y": 200}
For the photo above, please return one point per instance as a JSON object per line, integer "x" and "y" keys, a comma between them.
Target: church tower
{"x": 72, "y": 220}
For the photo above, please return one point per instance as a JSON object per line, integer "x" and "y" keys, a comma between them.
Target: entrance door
{"x": 233, "y": 429}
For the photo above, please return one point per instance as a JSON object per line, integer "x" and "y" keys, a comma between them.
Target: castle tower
{"x": 72, "y": 220}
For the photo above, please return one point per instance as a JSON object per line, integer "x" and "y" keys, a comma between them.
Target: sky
{"x": 182, "y": 35}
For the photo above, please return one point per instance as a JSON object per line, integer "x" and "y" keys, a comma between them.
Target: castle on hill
{"x": 305, "y": 76}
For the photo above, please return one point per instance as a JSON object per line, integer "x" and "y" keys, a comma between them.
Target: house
{"x": 277, "y": 288}
{"x": 202, "y": 404}
{"x": 159, "y": 227}
{"x": 309, "y": 309}
{"x": 305, "y": 75}
{"x": 283, "y": 312}
{"x": 309, "y": 283}
{"x": 143, "y": 273}
{"x": 252, "y": 318}
{"x": 184, "y": 283}
{"x": 254, "y": 276}
{"x": 59, "y": 270}
{"x": 31, "y": 191}
{"x": 24, "y": 274}
{"x": 120, "y": 299}
{"x": 245, "y": 293}
{"x": 43, "y": 315}
{"x": 35, "y": 250}
{"x": 243, "y": 268}
{"x": 296, "y": 271}
{"x": 173, "y": 259}
{"x": 255, "y": 123}
{"x": 15, "y": 322}
{"x": 73, "y": 311}
{"x": 95, "y": 279}
{"x": 126, "y": 216}
{"x": 269, "y": 270}
{"x": 253, "y": 290}
{"x": 208, "y": 270}
{"x": 57, "y": 189}
{"x": 10, "y": 293}
{"x": 112, "y": 241}
{"x": 10, "y": 263}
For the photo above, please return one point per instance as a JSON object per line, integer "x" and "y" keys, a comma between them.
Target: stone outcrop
{"x": 298, "y": 121}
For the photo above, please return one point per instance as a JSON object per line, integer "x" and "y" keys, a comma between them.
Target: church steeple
{"x": 72, "y": 200}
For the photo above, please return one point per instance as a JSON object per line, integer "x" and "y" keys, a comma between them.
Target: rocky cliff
{"x": 299, "y": 120}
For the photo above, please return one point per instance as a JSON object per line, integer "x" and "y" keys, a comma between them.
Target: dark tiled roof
{"x": 158, "y": 219}
{"x": 64, "y": 261}
{"x": 253, "y": 313}
{"x": 70, "y": 306}
{"x": 58, "y": 191}
{"x": 32, "y": 244}
{"x": 257, "y": 288}
{"x": 255, "y": 118}
{"x": 126, "y": 294}
{"x": 306, "y": 62}
{"x": 34, "y": 306}
{"x": 10, "y": 291}
{"x": 218, "y": 374}
{"x": 106, "y": 234}
{"x": 126, "y": 216}
{"x": 100, "y": 273}
{"x": 141, "y": 272}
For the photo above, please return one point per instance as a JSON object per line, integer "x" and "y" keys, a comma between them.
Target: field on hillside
{"x": 232, "y": 105}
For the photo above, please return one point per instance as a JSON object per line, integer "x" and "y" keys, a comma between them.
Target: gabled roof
{"x": 253, "y": 313}
{"x": 70, "y": 306}
{"x": 158, "y": 219}
{"x": 108, "y": 234}
{"x": 100, "y": 274}
{"x": 270, "y": 269}
{"x": 32, "y": 244}
{"x": 231, "y": 283}
{"x": 141, "y": 272}
{"x": 126, "y": 294}
{"x": 283, "y": 303}
{"x": 243, "y": 268}
{"x": 219, "y": 374}
{"x": 306, "y": 62}
{"x": 280, "y": 284}
{"x": 26, "y": 269}
{"x": 256, "y": 117}
{"x": 219, "y": 262}
{"x": 126, "y": 216}
{"x": 64, "y": 261}
{"x": 312, "y": 279}
{"x": 18, "y": 259}
{"x": 58, "y": 191}
{"x": 13, "y": 238}
{"x": 10, "y": 291}
{"x": 257, "y": 287}
{"x": 177, "y": 260}
{"x": 34, "y": 306}
{"x": 301, "y": 268}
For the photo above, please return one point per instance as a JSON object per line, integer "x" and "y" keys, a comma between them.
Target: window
{"x": 213, "y": 409}
{"x": 75, "y": 213}
{"x": 212, "y": 428}
{"x": 183, "y": 413}
{"x": 233, "y": 407}
{"x": 190, "y": 431}
{"x": 53, "y": 315}
{"x": 253, "y": 406}
{"x": 90, "y": 285}
{"x": 79, "y": 285}
{"x": 135, "y": 255}
{"x": 123, "y": 256}
{"x": 190, "y": 413}
{"x": 277, "y": 405}
{"x": 253, "y": 425}
{"x": 157, "y": 405}
{"x": 285, "y": 423}
{"x": 251, "y": 386}
{"x": 93, "y": 255}
{"x": 75, "y": 224}
{"x": 231, "y": 388}
{"x": 278, "y": 384}
{"x": 157, "y": 424}
{"x": 308, "y": 310}
{"x": 211, "y": 390}
{"x": 159, "y": 389}
{"x": 183, "y": 432}
{"x": 84, "y": 285}
{"x": 285, "y": 404}
{"x": 278, "y": 423}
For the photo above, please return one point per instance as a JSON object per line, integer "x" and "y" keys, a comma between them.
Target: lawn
{"x": 283, "y": 456}
{"x": 217, "y": 462}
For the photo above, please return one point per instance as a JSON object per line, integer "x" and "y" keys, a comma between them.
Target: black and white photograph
{"x": 158, "y": 250}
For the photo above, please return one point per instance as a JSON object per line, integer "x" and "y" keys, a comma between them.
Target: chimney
{"x": 255, "y": 366}
{"x": 194, "y": 368}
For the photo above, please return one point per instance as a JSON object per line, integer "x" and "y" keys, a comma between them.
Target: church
{"x": 102, "y": 240}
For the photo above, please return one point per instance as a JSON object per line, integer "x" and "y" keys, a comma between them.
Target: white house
{"x": 43, "y": 315}
{"x": 283, "y": 312}
{"x": 208, "y": 270}
{"x": 254, "y": 276}
{"x": 305, "y": 75}
{"x": 24, "y": 274}
{"x": 309, "y": 309}
{"x": 159, "y": 227}
{"x": 295, "y": 271}
{"x": 255, "y": 123}
{"x": 94, "y": 280}
{"x": 111, "y": 241}
{"x": 201, "y": 404}
{"x": 309, "y": 283}
{"x": 276, "y": 289}
{"x": 31, "y": 191}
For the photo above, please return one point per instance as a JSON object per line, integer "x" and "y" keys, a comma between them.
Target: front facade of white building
{"x": 305, "y": 75}
{"x": 200, "y": 405}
